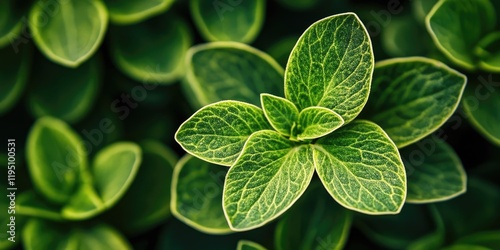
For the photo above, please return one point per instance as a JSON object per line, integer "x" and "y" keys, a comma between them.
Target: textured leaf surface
{"x": 217, "y": 132}
{"x": 152, "y": 51}
{"x": 456, "y": 26}
{"x": 133, "y": 11}
{"x": 435, "y": 173}
{"x": 483, "y": 111}
{"x": 231, "y": 71}
{"x": 197, "y": 194}
{"x": 72, "y": 32}
{"x": 412, "y": 97}
{"x": 315, "y": 222}
{"x": 331, "y": 66}
{"x": 14, "y": 71}
{"x": 52, "y": 95}
{"x": 55, "y": 170}
{"x": 315, "y": 122}
{"x": 268, "y": 177}
{"x": 361, "y": 168}
{"x": 280, "y": 112}
{"x": 238, "y": 21}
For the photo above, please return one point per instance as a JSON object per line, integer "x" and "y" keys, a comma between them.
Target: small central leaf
{"x": 315, "y": 122}
{"x": 280, "y": 112}
{"x": 268, "y": 177}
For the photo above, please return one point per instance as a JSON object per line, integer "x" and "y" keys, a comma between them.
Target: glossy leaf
{"x": 238, "y": 21}
{"x": 52, "y": 95}
{"x": 280, "y": 112}
{"x": 435, "y": 173}
{"x": 39, "y": 234}
{"x": 483, "y": 111}
{"x": 152, "y": 51}
{"x": 114, "y": 169}
{"x": 14, "y": 71}
{"x": 361, "y": 168}
{"x": 55, "y": 170}
{"x": 268, "y": 177}
{"x": 412, "y": 97}
{"x": 197, "y": 194}
{"x": 456, "y": 26}
{"x": 315, "y": 222}
{"x": 331, "y": 66}
{"x": 231, "y": 71}
{"x": 134, "y": 11}
{"x": 488, "y": 51}
{"x": 136, "y": 211}
{"x": 68, "y": 32}
{"x": 315, "y": 122}
{"x": 249, "y": 245}
{"x": 217, "y": 132}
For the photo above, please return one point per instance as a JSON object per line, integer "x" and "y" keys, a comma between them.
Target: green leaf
{"x": 361, "y": 168}
{"x": 412, "y": 97}
{"x": 11, "y": 21}
{"x": 268, "y": 177}
{"x": 31, "y": 204}
{"x": 83, "y": 204}
{"x": 39, "y": 234}
{"x": 68, "y": 32}
{"x": 403, "y": 37}
{"x": 249, "y": 245}
{"x": 238, "y": 21}
{"x": 14, "y": 71}
{"x": 197, "y": 193}
{"x": 331, "y": 66}
{"x": 487, "y": 239}
{"x": 280, "y": 112}
{"x": 315, "y": 222}
{"x": 456, "y": 26}
{"x": 217, "y": 132}
{"x": 114, "y": 169}
{"x": 55, "y": 169}
{"x": 315, "y": 122}
{"x": 421, "y": 8}
{"x": 231, "y": 71}
{"x": 52, "y": 95}
{"x": 434, "y": 171}
{"x": 483, "y": 111}
{"x": 488, "y": 51}
{"x": 392, "y": 231}
{"x": 134, "y": 11}
{"x": 137, "y": 211}
{"x": 152, "y": 51}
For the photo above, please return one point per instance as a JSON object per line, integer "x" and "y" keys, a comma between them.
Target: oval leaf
{"x": 231, "y": 71}
{"x": 197, "y": 193}
{"x": 14, "y": 71}
{"x": 134, "y": 11}
{"x": 412, "y": 97}
{"x": 114, "y": 169}
{"x": 151, "y": 51}
{"x": 52, "y": 95}
{"x": 315, "y": 122}
{"x": 456, "y": 26}
{"x": 434, "y": 171}
{"x": 483, "y": 110}
{"x": 361, "y": 168}
{"x": 217, "y": 132}
{"x": 315, "y": 222}
{"x": 269, "y": 176}
{"x": 331, "y": 66}
{"x": 68, "y": 32}
{"x": 238, "y": 21}
{"x": 280, "y": 112}
{"x": 137, "y": 212}
{"x": 55, "y": 170}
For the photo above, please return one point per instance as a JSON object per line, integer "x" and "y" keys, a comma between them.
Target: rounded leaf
{"x": 134, "y": 11}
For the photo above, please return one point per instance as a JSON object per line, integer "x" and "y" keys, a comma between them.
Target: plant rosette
{"x": 273, "y": 152}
